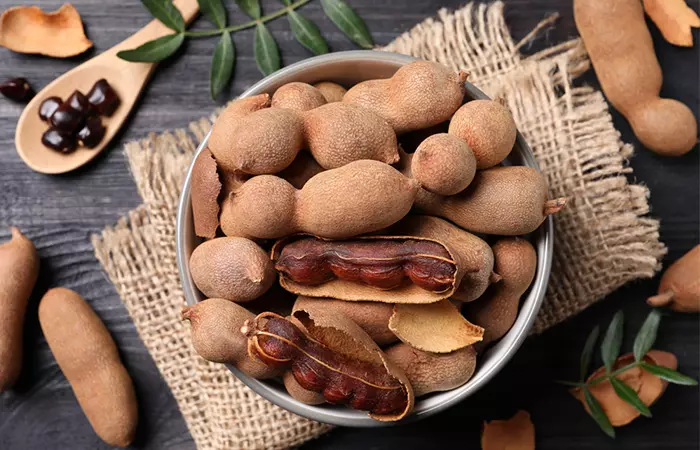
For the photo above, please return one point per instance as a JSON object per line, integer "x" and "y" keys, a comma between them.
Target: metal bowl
{"x": 348, "y": 68}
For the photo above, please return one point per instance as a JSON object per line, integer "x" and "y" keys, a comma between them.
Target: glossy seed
{"x": 58, "y": 140}
{"x": 48, "y": 107}
{"x": 17, "y": 89}
{"x": 92, "y": 132}
{"x": 103, "y": 98}
{"x": 67, "y": 119}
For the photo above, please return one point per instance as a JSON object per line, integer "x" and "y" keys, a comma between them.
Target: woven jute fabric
{"x": 603, "y": 237}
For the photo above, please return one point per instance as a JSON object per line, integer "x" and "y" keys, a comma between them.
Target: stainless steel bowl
{"x": 349, "y": 68}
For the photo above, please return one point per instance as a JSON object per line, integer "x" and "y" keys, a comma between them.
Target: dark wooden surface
{"x": 60, "y": 212}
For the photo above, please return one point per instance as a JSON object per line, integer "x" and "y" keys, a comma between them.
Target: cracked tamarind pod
{"x": 333, "y": 356}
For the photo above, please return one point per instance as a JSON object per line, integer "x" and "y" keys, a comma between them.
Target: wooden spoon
{"x": 127, "y": 79}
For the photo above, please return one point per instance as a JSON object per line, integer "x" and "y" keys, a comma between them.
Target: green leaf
{"x": 155, "y": 50}
{"x": 214, "y": 11}
{"x": 596, "y": 411}
{"x": 307, "y": 33}
{"x": 166, "y": 12}
{"x": 669, "y": 375}
{"x": 612, "y": 341}
{"x": 267, "y": 55}
{"x": 222, "y": 64}
{"x": 587, "y": 352}
{"x": 348, "y": 21}
{"x": 287, "y": 2}
{"x": 646, "y": 335}
{"x": 627, "y": 394}
{"x": 250, "y": 7}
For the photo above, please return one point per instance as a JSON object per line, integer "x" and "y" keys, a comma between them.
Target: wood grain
{"x": 60, "y": 212}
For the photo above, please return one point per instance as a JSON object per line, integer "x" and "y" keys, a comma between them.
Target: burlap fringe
{"x": 603, "y": 237}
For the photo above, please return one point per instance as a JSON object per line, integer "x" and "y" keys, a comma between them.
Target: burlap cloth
{"x": 603, "y": 237}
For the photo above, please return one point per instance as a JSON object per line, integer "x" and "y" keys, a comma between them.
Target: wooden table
{"x": 60, "y": 212}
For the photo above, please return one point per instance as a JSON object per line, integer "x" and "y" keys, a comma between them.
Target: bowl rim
{"x": 505, "y": 349}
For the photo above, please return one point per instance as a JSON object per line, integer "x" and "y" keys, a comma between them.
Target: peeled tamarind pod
{"x": 333, "y": 92}
{"x": 19, "y": 269}
{"x": 216, "y": 336}
{"x": 419, "y": 95}
{"x": 443, "y": 164}
{"x": 88, "y": 357}
{"x": 506, "y": 201}
{"x": 330, "y": 354}
{"x": 360, "y": 197}
{"x": 372, "y": 317}
{"x": 433, "y": 372}
{"x": 299, "y": 393}
{"x": 496, "y": 311}
{"x": 488, "y": 128}
{"x": 262, "y": 142}
{"x": 680, "y": 284}
{"x": 621, "y": 49}
{"x": 298, "y": 96}
{"x": 339, "y": 133}
{"x": 472, "y": 254}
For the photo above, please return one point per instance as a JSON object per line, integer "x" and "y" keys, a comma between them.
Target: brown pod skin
{"x": 19, "y": 269}
{"x": 233, "y": 268}
{"x": 679, "y": 288}
{"x": 223, "y": 129}
{"x": 488, "y": 128}
{"x": 381, "y": 263}
{"x": 206, "y": 188}
{"x": 496, "y": 311}
{"x": 419, "y": 95}
{"x": 433, "y": 372}
{"x": 443, "y": 164}
{"x": 263, "y": 142}
{"x": 340, "y": 133}
{"x": 360, "y": 197}
{"x": 622, "y": 52}
{"x": 216, "y": 336}
{"x": 298, "y": 97}
{"x": 333, "y": 92}
{"x": 507, "y": 201}
{"x": 299, "y": 393}
{"x": 372, "y": 317}
{"x": 88, "y": 357}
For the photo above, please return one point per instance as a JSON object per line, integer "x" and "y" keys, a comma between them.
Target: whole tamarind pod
{"x": 19, "y": 269}
{"x": 339, "y": 133}
{"x": 216, "y": 324}
{"x": 372, "y": 317}
{"x": 443, "y": 164}
{"x": 382, "y": 263}
{"x": 331, "y": 354}
{"x": 679, "y": 288}
{"x": 360, "y": 197}
{"x": 419, "y": 95}
{"x": 433, "y": 372}
{"x": 506, "y": 201}
{"x": 88, "y": 357}
{"x": 496, "y": 311}
{"x": 333, "y": 92}
{"x": 263, "y": 142}
{"x": 233, "y": 268}
{"x": 298, "y": 97}
{"x": 622, "y": 52}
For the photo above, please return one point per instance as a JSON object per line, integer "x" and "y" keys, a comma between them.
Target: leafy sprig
{"x": 267, "y": 54}
{"x": 610, "y": 350}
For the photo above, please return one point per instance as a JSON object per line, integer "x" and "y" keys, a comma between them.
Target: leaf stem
{"x": 249, "y": 24}
{"x": 612, "y": 374}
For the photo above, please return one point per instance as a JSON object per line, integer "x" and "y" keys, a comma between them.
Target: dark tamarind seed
{"x": 79, "y": 102}
{"x": 48, "y": 107}
{"x": 92, "y": 132}
{"x": 103, "y": 98}
{"x": 17, "y": 89}
{"x": 58, "y": 140}
{"x": 67, "y": 119}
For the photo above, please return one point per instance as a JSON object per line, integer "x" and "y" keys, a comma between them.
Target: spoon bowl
{"x": 126, "y": 78}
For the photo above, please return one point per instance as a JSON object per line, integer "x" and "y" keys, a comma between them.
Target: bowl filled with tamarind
{"x": 364, "y": 238}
